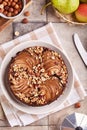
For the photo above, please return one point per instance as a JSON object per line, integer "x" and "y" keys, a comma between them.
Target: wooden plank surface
{"x": 7, "y": 34}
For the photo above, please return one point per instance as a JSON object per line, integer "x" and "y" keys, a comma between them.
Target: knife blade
{"x": 80, "y": 48}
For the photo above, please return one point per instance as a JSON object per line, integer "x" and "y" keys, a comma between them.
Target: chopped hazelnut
{"x": 17, "y": 33}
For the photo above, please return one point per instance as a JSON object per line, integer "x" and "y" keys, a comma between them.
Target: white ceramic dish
{"x": 4, "y": 16}
{"x": 25, "y": 108}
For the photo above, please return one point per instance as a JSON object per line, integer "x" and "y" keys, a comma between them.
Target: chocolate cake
{"x": 37, "y": 76}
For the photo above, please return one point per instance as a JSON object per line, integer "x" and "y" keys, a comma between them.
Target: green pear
{"x": 65, "y": 6}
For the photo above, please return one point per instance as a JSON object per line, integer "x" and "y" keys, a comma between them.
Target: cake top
{"x": 37, "y": 75}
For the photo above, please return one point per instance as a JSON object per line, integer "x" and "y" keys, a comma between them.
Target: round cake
{"x": 37, "y": 76}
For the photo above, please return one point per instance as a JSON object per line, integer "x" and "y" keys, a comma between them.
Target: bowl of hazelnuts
{"x": 11, "y": 9}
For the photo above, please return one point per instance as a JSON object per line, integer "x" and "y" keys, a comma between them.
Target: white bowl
{"x": 25, "y": 108}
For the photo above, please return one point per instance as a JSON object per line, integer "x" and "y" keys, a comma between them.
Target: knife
{"x": 80, "y": 48}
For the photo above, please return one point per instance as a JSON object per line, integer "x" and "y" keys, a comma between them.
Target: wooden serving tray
{"x": 5, "y": 22}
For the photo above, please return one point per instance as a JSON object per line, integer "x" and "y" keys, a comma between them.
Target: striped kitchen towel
{"x": 16, "y": 117}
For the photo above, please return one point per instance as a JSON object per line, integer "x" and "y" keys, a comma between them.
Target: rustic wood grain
{"x": 6, "y": 35}
{"x": 4, "y": 23}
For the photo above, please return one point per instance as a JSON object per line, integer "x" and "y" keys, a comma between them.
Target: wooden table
{"x": 65, "y": 32}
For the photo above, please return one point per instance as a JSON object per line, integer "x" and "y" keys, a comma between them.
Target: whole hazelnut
{"x": 13, "y": 4}
{"x": 16, "y": 6}
{"x": 25, "y": 21}
{"x": 9, "y": 4}
{"x": 20, "y": 6}
{"x": 11, "y": 0}
{"x": 15, "y": 12}
{"x": 11, "y": 9}
{"x": 6, "y": 7}
{"x": 1, "y": 1}
{"x": 6, "y": 0}
{"x": 26, "y": 13}
{"x": 77, "y": 105}
{"x": 5, "y": 12}
{"x": 1, "y": 10}
{"x": 9, "y": 14}
{"x": 19, "y": 2}
{"x": 4, "y": 3}
{"x": 19, "y": 10}
{"x": 1, "y": 6}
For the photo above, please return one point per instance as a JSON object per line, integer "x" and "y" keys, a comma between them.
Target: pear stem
{"x": 44, "y": 7}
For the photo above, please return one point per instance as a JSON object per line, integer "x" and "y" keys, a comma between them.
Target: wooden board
{"x": 5, "y": 22}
